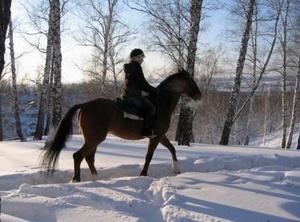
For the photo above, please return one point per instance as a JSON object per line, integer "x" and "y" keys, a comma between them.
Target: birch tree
{"x": 295, "y": 106}
{"x": 102, "y": 30}
{"x": 185, "y": 133}
{"x": 1, "y": 126}
{"x": 254, "y": 37}
{"x": 16, "y": 106}
{"x": 4, "y": 20}
{"x": 44, "y": 97}
{"x": 239, "y": 71}
{"x": 174, "y": 28}
{"x": 263, "y": 33}
{"x": 259, "y": 65}
{"x": 283, "y": 41}
{"x": 50, "y": 99}
{"x": 39, "y": 130}
{"x": 295, "y": 33}
{"x": 56, "y": 63}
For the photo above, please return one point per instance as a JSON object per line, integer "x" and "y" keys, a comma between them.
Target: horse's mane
{"x": 179, "y": 75}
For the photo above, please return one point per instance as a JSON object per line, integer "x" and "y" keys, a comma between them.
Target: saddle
{"x": 129, "y": 110}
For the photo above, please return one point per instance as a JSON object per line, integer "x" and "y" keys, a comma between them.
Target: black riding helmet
{"x": 136, "y": 54}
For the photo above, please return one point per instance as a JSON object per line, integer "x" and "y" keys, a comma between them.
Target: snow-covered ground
{"x": 217, "y": 183}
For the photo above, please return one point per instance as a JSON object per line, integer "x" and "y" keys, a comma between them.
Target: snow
{"x": 217, "y": 183}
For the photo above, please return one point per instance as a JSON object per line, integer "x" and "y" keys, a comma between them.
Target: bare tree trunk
{"x": 57, "y": 57}
{"x": 51, "y": 89}
{"x": 14, "y": 86}
{"x": 44, "y": 98}
{"x": 254, "y": 46}
{"x": 239, "y": 71}
{"x": 298, "y": 144}
{"x": 1, "y": 126}
{"x": 295, "y": 105}
{"x": 284, "y": 76}
{"x": 50, "y": 106}
{"x": 248, "y": 127}
{"x": 266, "y": 95}
{"x": 4, "y": 20}
{"x": 184, "y": 132}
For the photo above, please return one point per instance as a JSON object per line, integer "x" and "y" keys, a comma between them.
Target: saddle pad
{"x": 126, "y": 107}
{"x": 131, "y": 116}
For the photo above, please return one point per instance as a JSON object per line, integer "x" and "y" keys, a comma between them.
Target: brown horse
{"x": 99, "y": 117}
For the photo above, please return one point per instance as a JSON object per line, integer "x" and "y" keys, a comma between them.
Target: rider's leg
{"x": 149, "y": 117}
{"x": 149, "y": 109}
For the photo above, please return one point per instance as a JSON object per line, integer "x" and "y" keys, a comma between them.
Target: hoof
{"x": 74, "y": 181}
{"x": 95, "y": 177}
{"x": 176, "y": 167}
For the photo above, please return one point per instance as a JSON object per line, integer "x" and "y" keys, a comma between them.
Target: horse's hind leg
{"x": 78, "y": 157}
{"x": 165, "y": 142}
{"x": 90, "y": 159}
{"x": 87, "y": 151}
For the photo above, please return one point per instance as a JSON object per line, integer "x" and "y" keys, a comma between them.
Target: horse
{"x": 101, "y": 116}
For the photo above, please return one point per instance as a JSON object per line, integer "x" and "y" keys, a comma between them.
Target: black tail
{"x": 53, "y": 147}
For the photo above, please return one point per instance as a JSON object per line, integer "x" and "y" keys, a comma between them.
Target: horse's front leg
{"x": 166, "y": 142}
{"x": 151, "y": 148}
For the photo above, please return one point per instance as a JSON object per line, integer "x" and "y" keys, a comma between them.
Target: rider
{"x": 137, "y": 88}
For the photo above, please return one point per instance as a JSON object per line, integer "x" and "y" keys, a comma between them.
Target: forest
{"x": 248, "y": 73}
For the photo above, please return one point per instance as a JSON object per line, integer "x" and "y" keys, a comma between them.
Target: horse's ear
{"x": 181, "y": 70}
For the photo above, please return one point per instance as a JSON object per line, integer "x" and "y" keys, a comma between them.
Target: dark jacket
{"x": 135, "y": 81}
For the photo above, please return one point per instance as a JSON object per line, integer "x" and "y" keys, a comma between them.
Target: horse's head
{"x": 181, "y": 83}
